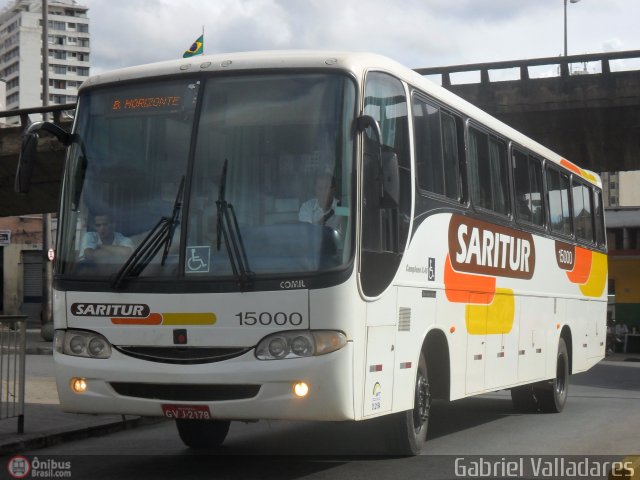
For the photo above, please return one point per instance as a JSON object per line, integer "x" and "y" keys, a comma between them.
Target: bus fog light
{"x": 78, "y": 385}
{"x": 301, "y": 389}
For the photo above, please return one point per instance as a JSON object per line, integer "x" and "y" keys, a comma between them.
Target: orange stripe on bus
{"x": 459, "y": 286}
{"x": 153, "y": 319}
{"x": 581, "y": 267}
{"x": 575, "y": 169}
{"x": 570, "y": 166}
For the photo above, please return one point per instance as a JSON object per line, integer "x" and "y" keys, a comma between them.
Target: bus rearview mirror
{"x": 29, "y": 152}
{"x": 367, "y": 121}
{"x": 26, "y": 161}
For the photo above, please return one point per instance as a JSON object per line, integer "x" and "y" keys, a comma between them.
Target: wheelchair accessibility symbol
{"x": 198, "y": 259}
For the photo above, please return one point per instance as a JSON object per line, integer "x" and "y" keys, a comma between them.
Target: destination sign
{"x": 138, "y": 103}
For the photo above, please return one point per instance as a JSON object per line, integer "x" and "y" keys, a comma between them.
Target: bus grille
{"x": 185, "y": 392}
{"x": 182, "y": 355}
{"x": 404, "y": 319}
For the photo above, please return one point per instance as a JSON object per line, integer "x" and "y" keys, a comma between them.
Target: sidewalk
{"x": 45, "y": 423}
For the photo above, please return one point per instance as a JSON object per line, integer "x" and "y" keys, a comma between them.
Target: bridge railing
{"x": 13, "y": 344}
{"x": 24, "y": 113}
{"x": 562, "y": 62}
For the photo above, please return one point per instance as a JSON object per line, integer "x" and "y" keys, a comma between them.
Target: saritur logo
{"x": 128, "y": 310}
{"x": 489, "y": 249}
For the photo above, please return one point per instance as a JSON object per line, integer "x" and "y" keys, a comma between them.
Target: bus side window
{"x": 437, "y": 160}
{"x": 558, "y": 193}
{"x": 451, "y": 156}
{"x": 527, "y": 172}
{"x": 428, "y": 144}
{"x": 489, "y": 175}
{"x": 599, "y": 218}
{"x": 582, "y": 212}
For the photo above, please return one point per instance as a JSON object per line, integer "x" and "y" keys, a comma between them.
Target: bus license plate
{"x": 188, "y": 412}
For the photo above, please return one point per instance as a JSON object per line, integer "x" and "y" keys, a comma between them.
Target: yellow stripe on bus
{"x": 597, "y": 277}
{"x": 493, "y": 319}
{"x": 188, "y": 318}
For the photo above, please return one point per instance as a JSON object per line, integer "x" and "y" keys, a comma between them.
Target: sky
{"x": 417, "y": 33}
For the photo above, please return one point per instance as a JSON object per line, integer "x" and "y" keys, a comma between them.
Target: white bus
{"x": 313, "y": 236}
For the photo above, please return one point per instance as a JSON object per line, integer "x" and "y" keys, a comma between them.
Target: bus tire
{"x": 408, "y": 430}
{"x": 524, "y": 399}
{"x": 202, "y": 434}
{"x": 552, "y": 395}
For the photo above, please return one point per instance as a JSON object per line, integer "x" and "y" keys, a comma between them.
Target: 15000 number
{"x": 267, "y": 318}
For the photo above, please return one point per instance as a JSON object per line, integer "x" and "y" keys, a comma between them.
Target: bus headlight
{"x": 298, "y": 344}
{"x": 82, "y": 344}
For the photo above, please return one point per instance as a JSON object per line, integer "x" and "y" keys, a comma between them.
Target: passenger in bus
{"x": 321, "y": 209}
{"x": 105, "y": 243}
{"x": 524, "y": 212}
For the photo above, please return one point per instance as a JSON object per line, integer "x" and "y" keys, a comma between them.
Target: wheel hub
{"x": 422, "y": 402}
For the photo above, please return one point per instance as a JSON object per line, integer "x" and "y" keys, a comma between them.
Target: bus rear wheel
{"x": 409, "y": 429}
{"x": 202, "y": 434}
{"x": 552, "y": 395}
{"x": 524, "y": 399}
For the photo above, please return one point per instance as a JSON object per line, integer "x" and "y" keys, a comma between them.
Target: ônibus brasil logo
{"x": 19, "y": 467}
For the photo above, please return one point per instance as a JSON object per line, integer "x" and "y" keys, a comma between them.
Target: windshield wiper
{"x": 160, "y": 235}
{"x": 227, "y": 225}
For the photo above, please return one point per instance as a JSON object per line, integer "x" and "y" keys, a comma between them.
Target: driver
{"x": 322, "y": 208}
{"x": 104, "y": 244}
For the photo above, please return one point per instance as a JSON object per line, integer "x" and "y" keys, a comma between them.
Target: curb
{"x": 39, "y": 441}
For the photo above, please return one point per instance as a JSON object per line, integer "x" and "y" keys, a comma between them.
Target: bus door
{"x": 385, "y": 227}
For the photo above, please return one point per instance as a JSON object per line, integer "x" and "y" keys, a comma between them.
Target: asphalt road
{"x": 600, "y": 419}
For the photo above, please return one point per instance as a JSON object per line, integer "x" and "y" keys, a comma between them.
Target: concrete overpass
{"x": 589, "y": 115}
{"x": 590, "y": 118}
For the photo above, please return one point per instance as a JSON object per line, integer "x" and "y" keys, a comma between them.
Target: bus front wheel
{"x": 409, "y": 428}
{"x": 202, "y": 433}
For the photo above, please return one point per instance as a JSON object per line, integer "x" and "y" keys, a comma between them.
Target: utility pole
{"x": 47, "y": 244}
{"x": 565, "y": 24}
{"x": 45, "y": 56}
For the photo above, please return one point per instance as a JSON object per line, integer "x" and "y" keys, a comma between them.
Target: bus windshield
{"x": 246, "y": 175}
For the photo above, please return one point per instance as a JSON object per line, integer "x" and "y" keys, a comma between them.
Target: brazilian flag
{"x": 196, "y": 49}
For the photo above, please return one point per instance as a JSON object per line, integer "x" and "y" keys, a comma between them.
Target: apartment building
{"x": 3, "y": 98}
{"x": 21, "y": 76}
{"x": 21, "y": 51}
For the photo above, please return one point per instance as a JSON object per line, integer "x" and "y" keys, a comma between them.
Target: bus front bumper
{"x": 150, "y": 388}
